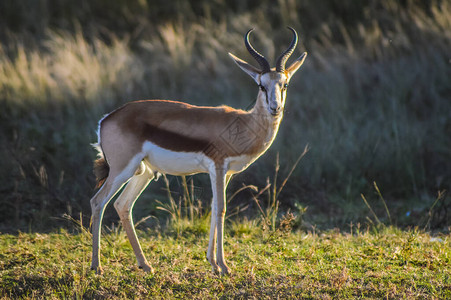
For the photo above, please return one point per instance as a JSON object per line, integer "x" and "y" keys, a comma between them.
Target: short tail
{"x": 101, "y": 167}
{"x": 101, "y": 171}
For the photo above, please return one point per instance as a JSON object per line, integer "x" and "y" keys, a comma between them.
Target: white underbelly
{"x": 186, "y": 163}
{"x": 176, "y": 163}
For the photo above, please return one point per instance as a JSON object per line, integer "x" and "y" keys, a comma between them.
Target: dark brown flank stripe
{"x": 172, "y": 140}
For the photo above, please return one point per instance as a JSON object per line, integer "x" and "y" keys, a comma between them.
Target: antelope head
{"x": 273, "y": 82}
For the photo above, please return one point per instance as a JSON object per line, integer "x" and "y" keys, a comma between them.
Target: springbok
{"x": 141, "y": 139}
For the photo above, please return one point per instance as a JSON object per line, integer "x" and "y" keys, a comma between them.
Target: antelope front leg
{"x": 211, "y": 252}
{"x": 217, "y": 224}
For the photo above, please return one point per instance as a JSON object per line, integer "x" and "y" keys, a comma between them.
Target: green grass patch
{"x": 371, "y": 101}
{"x": 387, "y": 263}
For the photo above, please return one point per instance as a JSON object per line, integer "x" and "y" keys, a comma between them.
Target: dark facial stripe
{"x": 262, "y": 88}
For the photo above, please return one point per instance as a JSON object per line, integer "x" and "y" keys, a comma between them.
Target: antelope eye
{"x": 285, "y": 86}
{"x": 262, "y": 88}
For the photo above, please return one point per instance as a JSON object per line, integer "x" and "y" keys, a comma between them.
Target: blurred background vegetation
{"x": 372, "y": 101}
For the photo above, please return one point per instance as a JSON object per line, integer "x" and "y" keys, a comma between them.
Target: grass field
{"x": 372, "y": 100}
{"x": 380, "y": 264}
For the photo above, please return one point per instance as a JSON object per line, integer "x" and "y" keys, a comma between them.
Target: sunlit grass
{"x": 371, "y": 101}
{"x": 388, "y": 263}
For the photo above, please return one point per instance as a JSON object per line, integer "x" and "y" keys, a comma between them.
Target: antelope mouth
{"x": 276, "y": 113}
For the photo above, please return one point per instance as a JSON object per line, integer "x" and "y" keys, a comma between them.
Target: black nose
{"x": 276, "y": 111}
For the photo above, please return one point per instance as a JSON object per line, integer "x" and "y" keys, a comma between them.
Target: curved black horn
{"x": 281, "y": 61}
{"x": 258, "y": 57}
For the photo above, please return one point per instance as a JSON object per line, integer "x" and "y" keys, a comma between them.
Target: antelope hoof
{"x": 147, "y": 268}
{"x": 225, "y": 270}
{"x": 214, "y": 267}
{"x": 98, "y": 270}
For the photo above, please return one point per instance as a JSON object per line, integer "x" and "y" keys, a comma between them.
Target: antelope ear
{"x": 249, "y": 69}
{"x": 296, "y": 65}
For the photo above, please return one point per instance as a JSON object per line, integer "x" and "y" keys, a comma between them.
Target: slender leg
{"x": 98, "y": 203}
{"x": 219, "y": 181}
{"x": 220, "y": 216}
{"x": 124, "y": 205}
{"x": 211, "y": 253}
{"x": 97, "y": 214}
